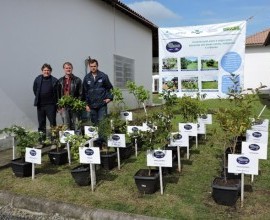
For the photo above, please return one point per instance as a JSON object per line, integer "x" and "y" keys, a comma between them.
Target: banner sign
{"x": 33, "y": 155}
{"x": 159, "y": 158}
{"x": 201, "y": 58}
{"x": 89, "y": 155}
{"x": 244, "y": 163}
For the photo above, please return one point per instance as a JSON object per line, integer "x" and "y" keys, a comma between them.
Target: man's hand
{"x": 106, "y": 101}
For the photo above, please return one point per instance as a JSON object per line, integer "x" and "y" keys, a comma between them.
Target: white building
{"x": 257, "y": 60}
{"x": 34, "y": 32}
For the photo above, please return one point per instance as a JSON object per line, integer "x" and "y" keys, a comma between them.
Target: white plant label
{"x": 257, "y": 136}
{"x": 126, "y": 116}
{"x": 206, "y": 119}
{"x": 188, "y": 128}
{"x": 244, "y": 163}
{"x": 258, "y": 149}
{"x": 117, "y": 140}
{"x": 33, "y": 155}
{"x": 160, "y": 158}
{"x": 91, "y": 131}
{"x": 64, "y": 134}
{"x": 89, "y": 155}
{"x": 260, "y": 125}
{"x": 134, "y": 129}
{"x": 201, "y": 128}
{"x": 179, "y": 139}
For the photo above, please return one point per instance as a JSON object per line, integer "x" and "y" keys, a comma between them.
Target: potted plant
{"x": 24, "y": 138}
{"x": 108, "y": 155}
{"x": 156, "y": 137}
{"x": 80, "y": 173}
{"x": 76, "y": 105}
{"x": 59, "y": 155}
{"x": 234, "y": 120}
{"x": 140, "y": 93}
{"x": 118, "y": 125}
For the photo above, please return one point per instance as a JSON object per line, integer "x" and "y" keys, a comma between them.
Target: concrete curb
{"x": 36, "y": 205}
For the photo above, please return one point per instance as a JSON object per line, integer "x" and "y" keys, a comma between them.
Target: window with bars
{"x": 123, "y": 71}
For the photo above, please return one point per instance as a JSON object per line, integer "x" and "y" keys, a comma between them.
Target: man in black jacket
{"x": 46, "y": 90}
{"x": 96, "y": 92}
{"x": 70, "y": 85}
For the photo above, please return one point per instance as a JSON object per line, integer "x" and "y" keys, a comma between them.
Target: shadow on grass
{"x": 171, "y": 178}
{"x": 105, "y": 175}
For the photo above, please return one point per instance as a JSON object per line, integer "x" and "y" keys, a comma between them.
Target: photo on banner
{"x": 202, "y": 58}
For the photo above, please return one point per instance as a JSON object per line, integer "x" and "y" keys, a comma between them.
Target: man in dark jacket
{"x": 96, "y": 92}
{"x": 70, "y": 85}
{"x": 46, "y": 90}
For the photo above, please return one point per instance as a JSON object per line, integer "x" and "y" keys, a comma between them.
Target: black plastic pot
{"x": 58, "y": 157}
{"x": 21, "y": 168}
{"x": 147, "y": 184}
{"x": 125, "y": 152}
{"x": 108, "y": 160}
{"x": 226, "y": 192}
{"x": 81, "y": 175}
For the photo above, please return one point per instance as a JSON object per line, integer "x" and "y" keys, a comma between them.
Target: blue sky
{"x": 178, "y": 13}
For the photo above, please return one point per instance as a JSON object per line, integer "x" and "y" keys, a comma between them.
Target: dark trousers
{"x": 43, "y": 112}
{"x": 97, "y": 114}
{"x": 71, "y": 118}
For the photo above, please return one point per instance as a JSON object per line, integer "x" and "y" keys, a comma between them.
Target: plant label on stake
{"x": 257, "y": 136}
{"x": 149, "y": 127}
{"x": 91, "y": 131}
{"x": 117, "y": 140}
{"x": 160, "y": 158}
{"x": 201, "y": 128}
{"x": 190, "y": 129}
{"x": 135, "y": 131}
{"x": 258, "y": 149}
{"x": 260, "y": 124}
{"x": 206, "y": 119}
{"x": 90, "y": 155}
{"x": 33, "y": 156}
{"x": 244, "y": 164}
{"x": 125, "y": 115}
{"x": 63, "y": 135}
{"x": 179, "y": 140}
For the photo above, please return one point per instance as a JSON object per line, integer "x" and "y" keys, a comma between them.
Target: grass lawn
{"x": 187, "y": 195}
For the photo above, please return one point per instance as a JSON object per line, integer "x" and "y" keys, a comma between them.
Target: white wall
{"x": 54, "y": 31}
{"x": 257, "y": 67}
